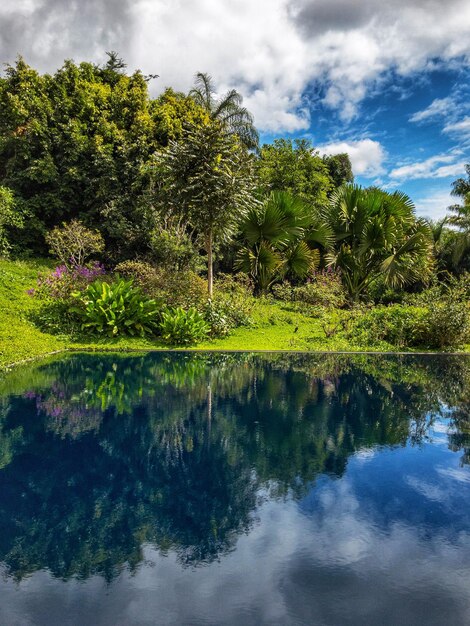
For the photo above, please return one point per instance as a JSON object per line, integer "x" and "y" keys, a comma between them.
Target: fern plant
{"x": 116, "y": 308}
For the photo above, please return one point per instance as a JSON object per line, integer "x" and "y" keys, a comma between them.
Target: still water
{"x": 230, "y": 489}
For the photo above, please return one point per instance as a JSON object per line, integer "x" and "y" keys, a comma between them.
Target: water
{"x": 235, "y": 489}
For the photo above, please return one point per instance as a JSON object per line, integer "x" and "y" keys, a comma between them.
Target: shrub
{"x": 142, "y": 274}
{"x": 446, "y": 325}
{"x": 117, "y": 308}
{"x": 231, "y": 305}
{"x": 73, "y": 243}
{"x": 10, "y": 216}
{"x": 63, "y": 281}
{"x": 182, "y": 327}
{"x": 175, "y": 288}
{"x": 325, "y": 289}
{"x": 397, "y": 325}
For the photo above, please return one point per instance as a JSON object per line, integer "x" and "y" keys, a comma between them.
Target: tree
{"x": 10, "y": 217}
{"x": 207, "y": 177}
{"x": 376, "y": 235}
{"x": 73, "y": 243}
{"x": 340, "y": 168}
{"x": 294, "y": 167}
{"x": 75, "y": 145}
{"x": 461, "y": 218}
{"x": 228, "y": 110}
{"x": 274, "y": 237}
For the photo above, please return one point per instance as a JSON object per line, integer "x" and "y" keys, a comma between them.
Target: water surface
{"x": 235, "y": 489}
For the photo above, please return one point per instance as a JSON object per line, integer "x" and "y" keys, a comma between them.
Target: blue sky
{"x": 386, "y": 81}
{"x": 420, "y": 126}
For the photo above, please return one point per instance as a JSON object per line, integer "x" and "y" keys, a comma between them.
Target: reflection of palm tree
{"x": 159, "y": 471}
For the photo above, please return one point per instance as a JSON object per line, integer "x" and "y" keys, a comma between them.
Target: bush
{"x": 73, "y": 243}
{"x": 397, "y": 325}
{"x": 117, "y": 308}
{"x": 324, "y": 290}
{"x": 231, "y": 305}
{"x": 63, "y": 281}
{"x": 175, "y": 288}
{"x": 182, "y": 327}
{"x": 446, "y": 325}
{"x": 10, "y": 216}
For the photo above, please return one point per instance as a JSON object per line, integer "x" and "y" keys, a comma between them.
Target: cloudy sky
{"x": 386, "y": 81}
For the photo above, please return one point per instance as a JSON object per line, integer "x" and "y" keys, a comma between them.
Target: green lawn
{"x": 276, "y": 326}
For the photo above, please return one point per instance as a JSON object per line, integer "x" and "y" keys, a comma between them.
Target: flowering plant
{"x": 64, "y": 280}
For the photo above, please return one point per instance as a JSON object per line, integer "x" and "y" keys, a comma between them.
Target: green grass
{"x": 276, "y": 326}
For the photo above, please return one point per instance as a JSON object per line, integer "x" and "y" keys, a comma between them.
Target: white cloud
{"x": 271, "y": 50}
{"x": 439, "y": 166}
{"x": 461, "y": 128}
{"x": 434, "y": 205}
{"x": 438, "y": 107}
{"x": 366, "y": 155}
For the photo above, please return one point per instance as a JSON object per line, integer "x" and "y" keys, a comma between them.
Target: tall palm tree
{"x": 377, "y": 235}
{"x": 276, "y": 237}
{"x": 228, "y": 110}
{"x": 461, "y": 218}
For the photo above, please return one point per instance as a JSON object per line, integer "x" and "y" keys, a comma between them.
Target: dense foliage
{"x": 145, "y": 201}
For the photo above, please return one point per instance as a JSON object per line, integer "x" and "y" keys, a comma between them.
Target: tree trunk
{"x": 210, "y": 274}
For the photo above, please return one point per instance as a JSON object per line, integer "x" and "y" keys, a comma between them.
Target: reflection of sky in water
{"x": 385, "y": 542}
{"x": 348, "y": 553}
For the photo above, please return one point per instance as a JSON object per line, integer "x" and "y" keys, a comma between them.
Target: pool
{"x": 226, "y": 489}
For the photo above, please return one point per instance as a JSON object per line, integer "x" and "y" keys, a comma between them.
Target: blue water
{"x": 231, "y": 489}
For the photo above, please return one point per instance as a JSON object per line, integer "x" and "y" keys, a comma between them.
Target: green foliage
{"x": 443, "y": 325}
{"x": 171, "y": 247}
{"x": 274, "y": 241}
{"x": 171, "y": 111}
{"x": 182, "y": 327}
{"x": 377, "y": 235}
{"x": 325, "y": 289}
{"x": 447, "y": 325}
{"x": 227, "y": 110}
{"x": 74, "y": 145}
{"x": 396, "y": 325}
{"x": 175, "y": 288}
{"x": 340, "y": 168}
{"x": 116, "y": 308}
{"x": 294, "y": 167}
{"x": 74, "y": 243}
{"x": 208, "y": 176}
{"x": 231, "y": 305}
{"x": 459, "y": 242}
{"x": 10, "y": 217}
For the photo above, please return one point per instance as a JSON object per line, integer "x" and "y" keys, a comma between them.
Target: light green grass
{"x": 276, "y": 326}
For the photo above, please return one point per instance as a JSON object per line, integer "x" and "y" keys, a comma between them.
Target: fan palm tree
{"x": 228, "y": 110}
{"x": 277, "y": 238}
{"x": 377, "y": 235}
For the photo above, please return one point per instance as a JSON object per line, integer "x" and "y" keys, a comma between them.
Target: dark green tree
{"x": 294, "y": 167}
{"x": 377, "y": 235}
{"x": 207, "y": 177}
{"x": 340, "y": 168}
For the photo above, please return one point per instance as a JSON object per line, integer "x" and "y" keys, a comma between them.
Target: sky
{"x": 385, "y": 80}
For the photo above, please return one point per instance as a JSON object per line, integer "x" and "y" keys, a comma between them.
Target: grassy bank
{"x": 276, "y": 326}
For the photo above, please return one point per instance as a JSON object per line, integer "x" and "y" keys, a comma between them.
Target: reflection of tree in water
{"x": 103, "y": 453}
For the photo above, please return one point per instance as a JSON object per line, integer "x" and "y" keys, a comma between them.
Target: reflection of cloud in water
{"x": 332, "y": 566}
{"x": 427, "y": 489}
{"x": 462, "y": 475}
